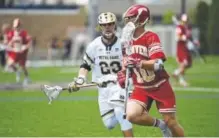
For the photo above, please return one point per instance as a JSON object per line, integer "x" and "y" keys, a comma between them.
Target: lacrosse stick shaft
{"x": 52, "y": 92}
{"x": 126, "y": 90}
{"x": 126, "y": 38}
{"x": 175, "y": 20}
{"x": 199, "y": 55}
{"x": 83, "y": 86}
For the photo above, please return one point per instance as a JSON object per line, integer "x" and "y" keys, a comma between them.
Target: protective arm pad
{"x": 153, "y": 64}
{"x": 86, "y": 66}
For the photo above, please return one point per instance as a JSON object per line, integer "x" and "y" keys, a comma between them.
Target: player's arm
{"x": 153, "y": 64}
{"x": 85, "y": 67}
{"x": 27, "y": 41}
{"x": 156, "y": 55}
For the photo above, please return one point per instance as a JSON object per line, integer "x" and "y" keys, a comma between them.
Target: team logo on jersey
{"x": 139, "y": 49}
{"x": 116, "y": 49}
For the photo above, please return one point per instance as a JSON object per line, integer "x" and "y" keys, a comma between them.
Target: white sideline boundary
{"x": 197, "y": 89}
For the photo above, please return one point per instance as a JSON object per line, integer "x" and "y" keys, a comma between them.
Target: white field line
{"x": 197, "y": 89}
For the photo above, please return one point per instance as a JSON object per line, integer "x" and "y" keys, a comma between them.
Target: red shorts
{"x": 183, "y": 55}
{"x": 19, "y": 58}
{"x": 163, "y": 96}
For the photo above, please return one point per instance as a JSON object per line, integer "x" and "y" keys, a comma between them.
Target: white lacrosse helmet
{"x": 106, "y": 17}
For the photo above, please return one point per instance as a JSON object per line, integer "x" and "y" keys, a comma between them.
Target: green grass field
{"x": 27, "y": 113}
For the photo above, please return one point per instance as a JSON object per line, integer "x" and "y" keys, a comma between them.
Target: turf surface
{"x": 26, "y": 113}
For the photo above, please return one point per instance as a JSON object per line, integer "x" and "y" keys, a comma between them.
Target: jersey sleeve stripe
{"x": 88, "y": 58}
{"x": 155, "y": 49}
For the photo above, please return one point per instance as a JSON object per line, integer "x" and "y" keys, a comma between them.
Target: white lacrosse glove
{"x": 73, "y": 86}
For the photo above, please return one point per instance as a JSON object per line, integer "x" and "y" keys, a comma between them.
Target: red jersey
{"x": 148, "y": 47}
{"x": 17, "y": 39}
{"x": 181, "y": 32}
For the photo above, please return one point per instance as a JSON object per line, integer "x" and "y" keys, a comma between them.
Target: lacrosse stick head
{"x": 52, "y": 92}
{"x": 126, "y": 38}
{"x": 175, "y": 20}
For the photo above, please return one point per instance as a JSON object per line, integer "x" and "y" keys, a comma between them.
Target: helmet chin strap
{"x": 108, "y": 35}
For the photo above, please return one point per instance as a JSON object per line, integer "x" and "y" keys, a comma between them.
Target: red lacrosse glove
{"x": 121, "y": 76}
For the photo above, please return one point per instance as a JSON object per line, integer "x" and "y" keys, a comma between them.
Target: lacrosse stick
{"x": 52, "y": 92}
{"x": 175, "y": 20}
{"x": 126, "y": 38}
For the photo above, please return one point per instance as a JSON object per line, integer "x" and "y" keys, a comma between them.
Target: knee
{"x": 110, "y": 123}
{"x": 131, "y": 116}
{"x": 134, "y": 110}
{"x": 124, "y": 123}
{"x": 171, "y": 122}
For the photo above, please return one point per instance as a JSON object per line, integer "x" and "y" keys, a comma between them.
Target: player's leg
{"x": 11, "y": 61}
{"x": 26, "y": 74}
{"x": 11, "y": 64}
{"x": 167, "y": 107}
{"x": 183, "y": 63}
{"x": 106, "y": 109}
{"x": 116, "y": 96}
{"x": 182, "y": 68}
{"x": 22, "y": 63}
{"x": 172, "y": 123}
{"x": 137, "y": 111}
{"x": 109, "y": 119}
{"x": 125, "y": 125}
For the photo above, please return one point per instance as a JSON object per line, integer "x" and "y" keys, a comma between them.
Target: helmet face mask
{"x": 107, "y": 24}
{"x": 108, "y": 30}
{"x": 130, "y": 19}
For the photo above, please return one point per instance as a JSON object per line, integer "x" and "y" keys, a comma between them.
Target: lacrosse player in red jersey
{"x": 103, "y": 56}
{"x": 18, "y": 42}
{"x": 184, "y": 58}
{"x": 149, "y": 76}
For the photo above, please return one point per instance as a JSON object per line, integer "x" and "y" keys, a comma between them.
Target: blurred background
{"x": 61, "y": 29}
